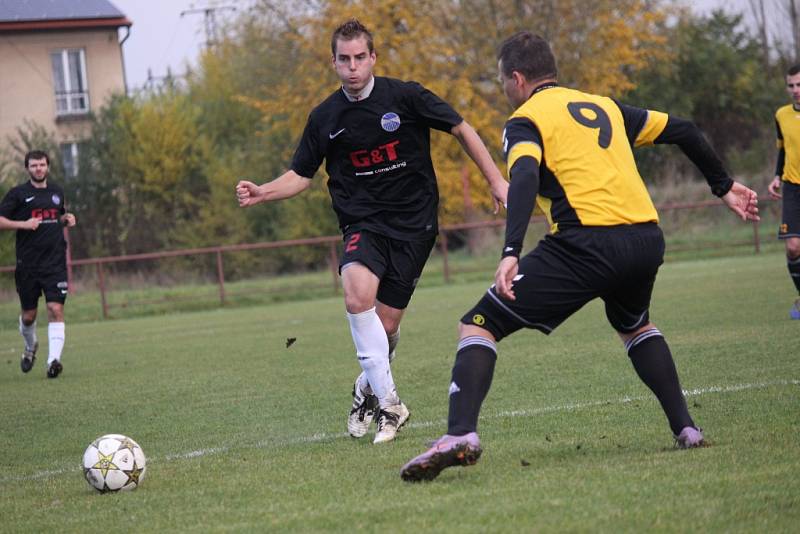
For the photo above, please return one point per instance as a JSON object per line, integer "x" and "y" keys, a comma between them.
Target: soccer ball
{"x": 114, "y": 462}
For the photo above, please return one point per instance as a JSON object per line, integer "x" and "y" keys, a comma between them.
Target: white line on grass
{"x": 322, "y": 436}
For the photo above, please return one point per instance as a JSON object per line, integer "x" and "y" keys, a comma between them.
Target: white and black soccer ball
{"x": 114, "y": 462}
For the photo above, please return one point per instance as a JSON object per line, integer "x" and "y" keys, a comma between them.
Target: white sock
{"x": 55, "y": 333}
{"x": 372, "y": 350}
{"x": 28, "y": 333}
{"x": 363, "y": 383}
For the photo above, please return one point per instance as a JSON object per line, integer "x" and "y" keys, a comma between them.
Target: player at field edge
{"x": 374, "y": 135}
{"x": 787, "y": 178}
{"x": 37, "y": 211}
{"x": 571, "y": 152}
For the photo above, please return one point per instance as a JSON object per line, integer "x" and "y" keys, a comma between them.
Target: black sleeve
{"x": 308, "y": 156}
{"x": 521, "y": 199}
{"x": 635, "y": 119}
{"x": 8, "y": 206}
{"x": 433, "y": 111}
{"x": 781, "y": 153}
{"x": 688, "y": 137}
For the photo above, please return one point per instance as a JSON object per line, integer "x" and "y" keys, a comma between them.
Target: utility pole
{"x": 210, "y": 18}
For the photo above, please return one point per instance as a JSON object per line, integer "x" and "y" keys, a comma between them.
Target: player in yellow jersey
{"x": 787, "y": 177}
{"x": 571, "y": 152}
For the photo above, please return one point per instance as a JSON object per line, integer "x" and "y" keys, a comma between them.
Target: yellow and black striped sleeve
{"x": 522, "y": 146}
{"x": 642, "y": 126}
{"x": 781, "y": 151}
{"x": 654, "y": 127}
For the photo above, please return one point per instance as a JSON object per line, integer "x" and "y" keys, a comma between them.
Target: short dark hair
{"x": 794, "y": 69}
{"x": 36, "y": 154}
{"x": 528, "y": 54}
{"x": 349, "y": 30}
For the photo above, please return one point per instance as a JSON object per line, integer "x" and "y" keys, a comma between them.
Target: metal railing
{"x": 332, "y": 243}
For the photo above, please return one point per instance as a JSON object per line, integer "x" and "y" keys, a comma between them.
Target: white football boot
{"x": 362, "y": 412}
{"x": 390, "y": 420}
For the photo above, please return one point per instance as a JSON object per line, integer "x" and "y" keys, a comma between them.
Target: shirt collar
{"x": 365, "y": 92}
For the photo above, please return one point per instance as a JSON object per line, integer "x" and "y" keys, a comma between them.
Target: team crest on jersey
{"x": 390, "y": 121}
{"x": 56, "y": 199}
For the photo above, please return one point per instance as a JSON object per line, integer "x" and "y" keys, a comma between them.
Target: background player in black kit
{"x": 374, "y": 135}
{"x": 36, "y": 210}
{"x": 571, "y": 153}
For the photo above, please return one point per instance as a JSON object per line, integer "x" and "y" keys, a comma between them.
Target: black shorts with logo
{"x": 397, "y": 263}
{"x": 790, "y": 214}
{"x": 570, "y": 268}
{"x": 31, "y": 285}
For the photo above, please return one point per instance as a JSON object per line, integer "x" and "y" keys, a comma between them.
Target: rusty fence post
{"x": 756, "y": 237}
{"x": 101, "y": 284}
{"x": 221, "y": 278}
{"x": 443, "y": 246}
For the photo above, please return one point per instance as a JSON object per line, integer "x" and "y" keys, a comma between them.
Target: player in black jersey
{"x": 374, "y": 135}
{"x": 571, "y": 153}
{"x": 787, "y": 179}
{"x": 36, "y": 210}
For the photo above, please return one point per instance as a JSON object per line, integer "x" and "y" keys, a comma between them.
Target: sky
{"x": 162, "y": 39}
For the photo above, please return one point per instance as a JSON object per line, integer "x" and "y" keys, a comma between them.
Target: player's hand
{"x": 774, "y": 188}
{"x": 68, "y": 220}
{"x": 32, "y": 223}
{"x": 247, "y": 193}
{"x": 504, "y": 277}
{"x": 500, "y": 195}
{"x": 743, "y": 201}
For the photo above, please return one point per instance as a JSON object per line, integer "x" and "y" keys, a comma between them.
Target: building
{"x": 59, "y": 61}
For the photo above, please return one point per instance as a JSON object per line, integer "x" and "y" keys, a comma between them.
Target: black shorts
{"x": 570, "y": 268}
{"x": 398, "y": 264}
{"x": 31, "y": 285}
{"x": 790, "y": 214}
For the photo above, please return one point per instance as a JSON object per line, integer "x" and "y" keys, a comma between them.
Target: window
{"x": 69, "y": 77}
{"x": 69, "y": 158}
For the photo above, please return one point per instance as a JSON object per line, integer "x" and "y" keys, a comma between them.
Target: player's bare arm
{"x": 286, "y": 185}
{"x": 30, "y": 224}
{"x": 743, "y": 201}
{"x": 68, "y": 219}
{"x": 774, "y": 188}
{"x": 476, "y": 149}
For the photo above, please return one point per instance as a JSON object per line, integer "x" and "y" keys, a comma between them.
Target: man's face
{"x": 793, "y": 87}
{"x": 512, "y": 87}
{"x": 38, "y": 169}
{"x": 353, "y": 64}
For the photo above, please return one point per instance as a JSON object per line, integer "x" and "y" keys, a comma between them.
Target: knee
{"x": 55, "y": 313}
{"x": 355, "y": 303}
{"x": 28, "y": 317}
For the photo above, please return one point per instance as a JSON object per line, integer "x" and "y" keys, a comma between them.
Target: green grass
{"x": 244, "y": 434}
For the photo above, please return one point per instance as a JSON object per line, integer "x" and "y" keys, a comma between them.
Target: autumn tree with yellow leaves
{"x": 450, "y": 47}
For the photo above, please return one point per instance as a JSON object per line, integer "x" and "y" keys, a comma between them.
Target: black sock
{"x": 794, "y": 271}
{"x": 470, "y": 382}
{"x": 652, "y": 360}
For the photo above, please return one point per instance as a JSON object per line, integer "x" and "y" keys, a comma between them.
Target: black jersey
{"x": 377, "y": 156}
{"x": 44, "y": 249}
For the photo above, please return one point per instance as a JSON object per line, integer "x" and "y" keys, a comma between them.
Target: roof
{"x": 19, "y": 15}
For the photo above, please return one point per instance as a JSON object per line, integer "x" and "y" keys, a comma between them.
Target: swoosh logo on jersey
{"x": 29, "y": 199}
{"x": 332, "y": 135}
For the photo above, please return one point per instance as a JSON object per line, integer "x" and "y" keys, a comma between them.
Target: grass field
{"x": 245, "y": 434}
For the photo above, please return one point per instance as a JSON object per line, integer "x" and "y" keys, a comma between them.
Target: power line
{"x": 210, "y": 19}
